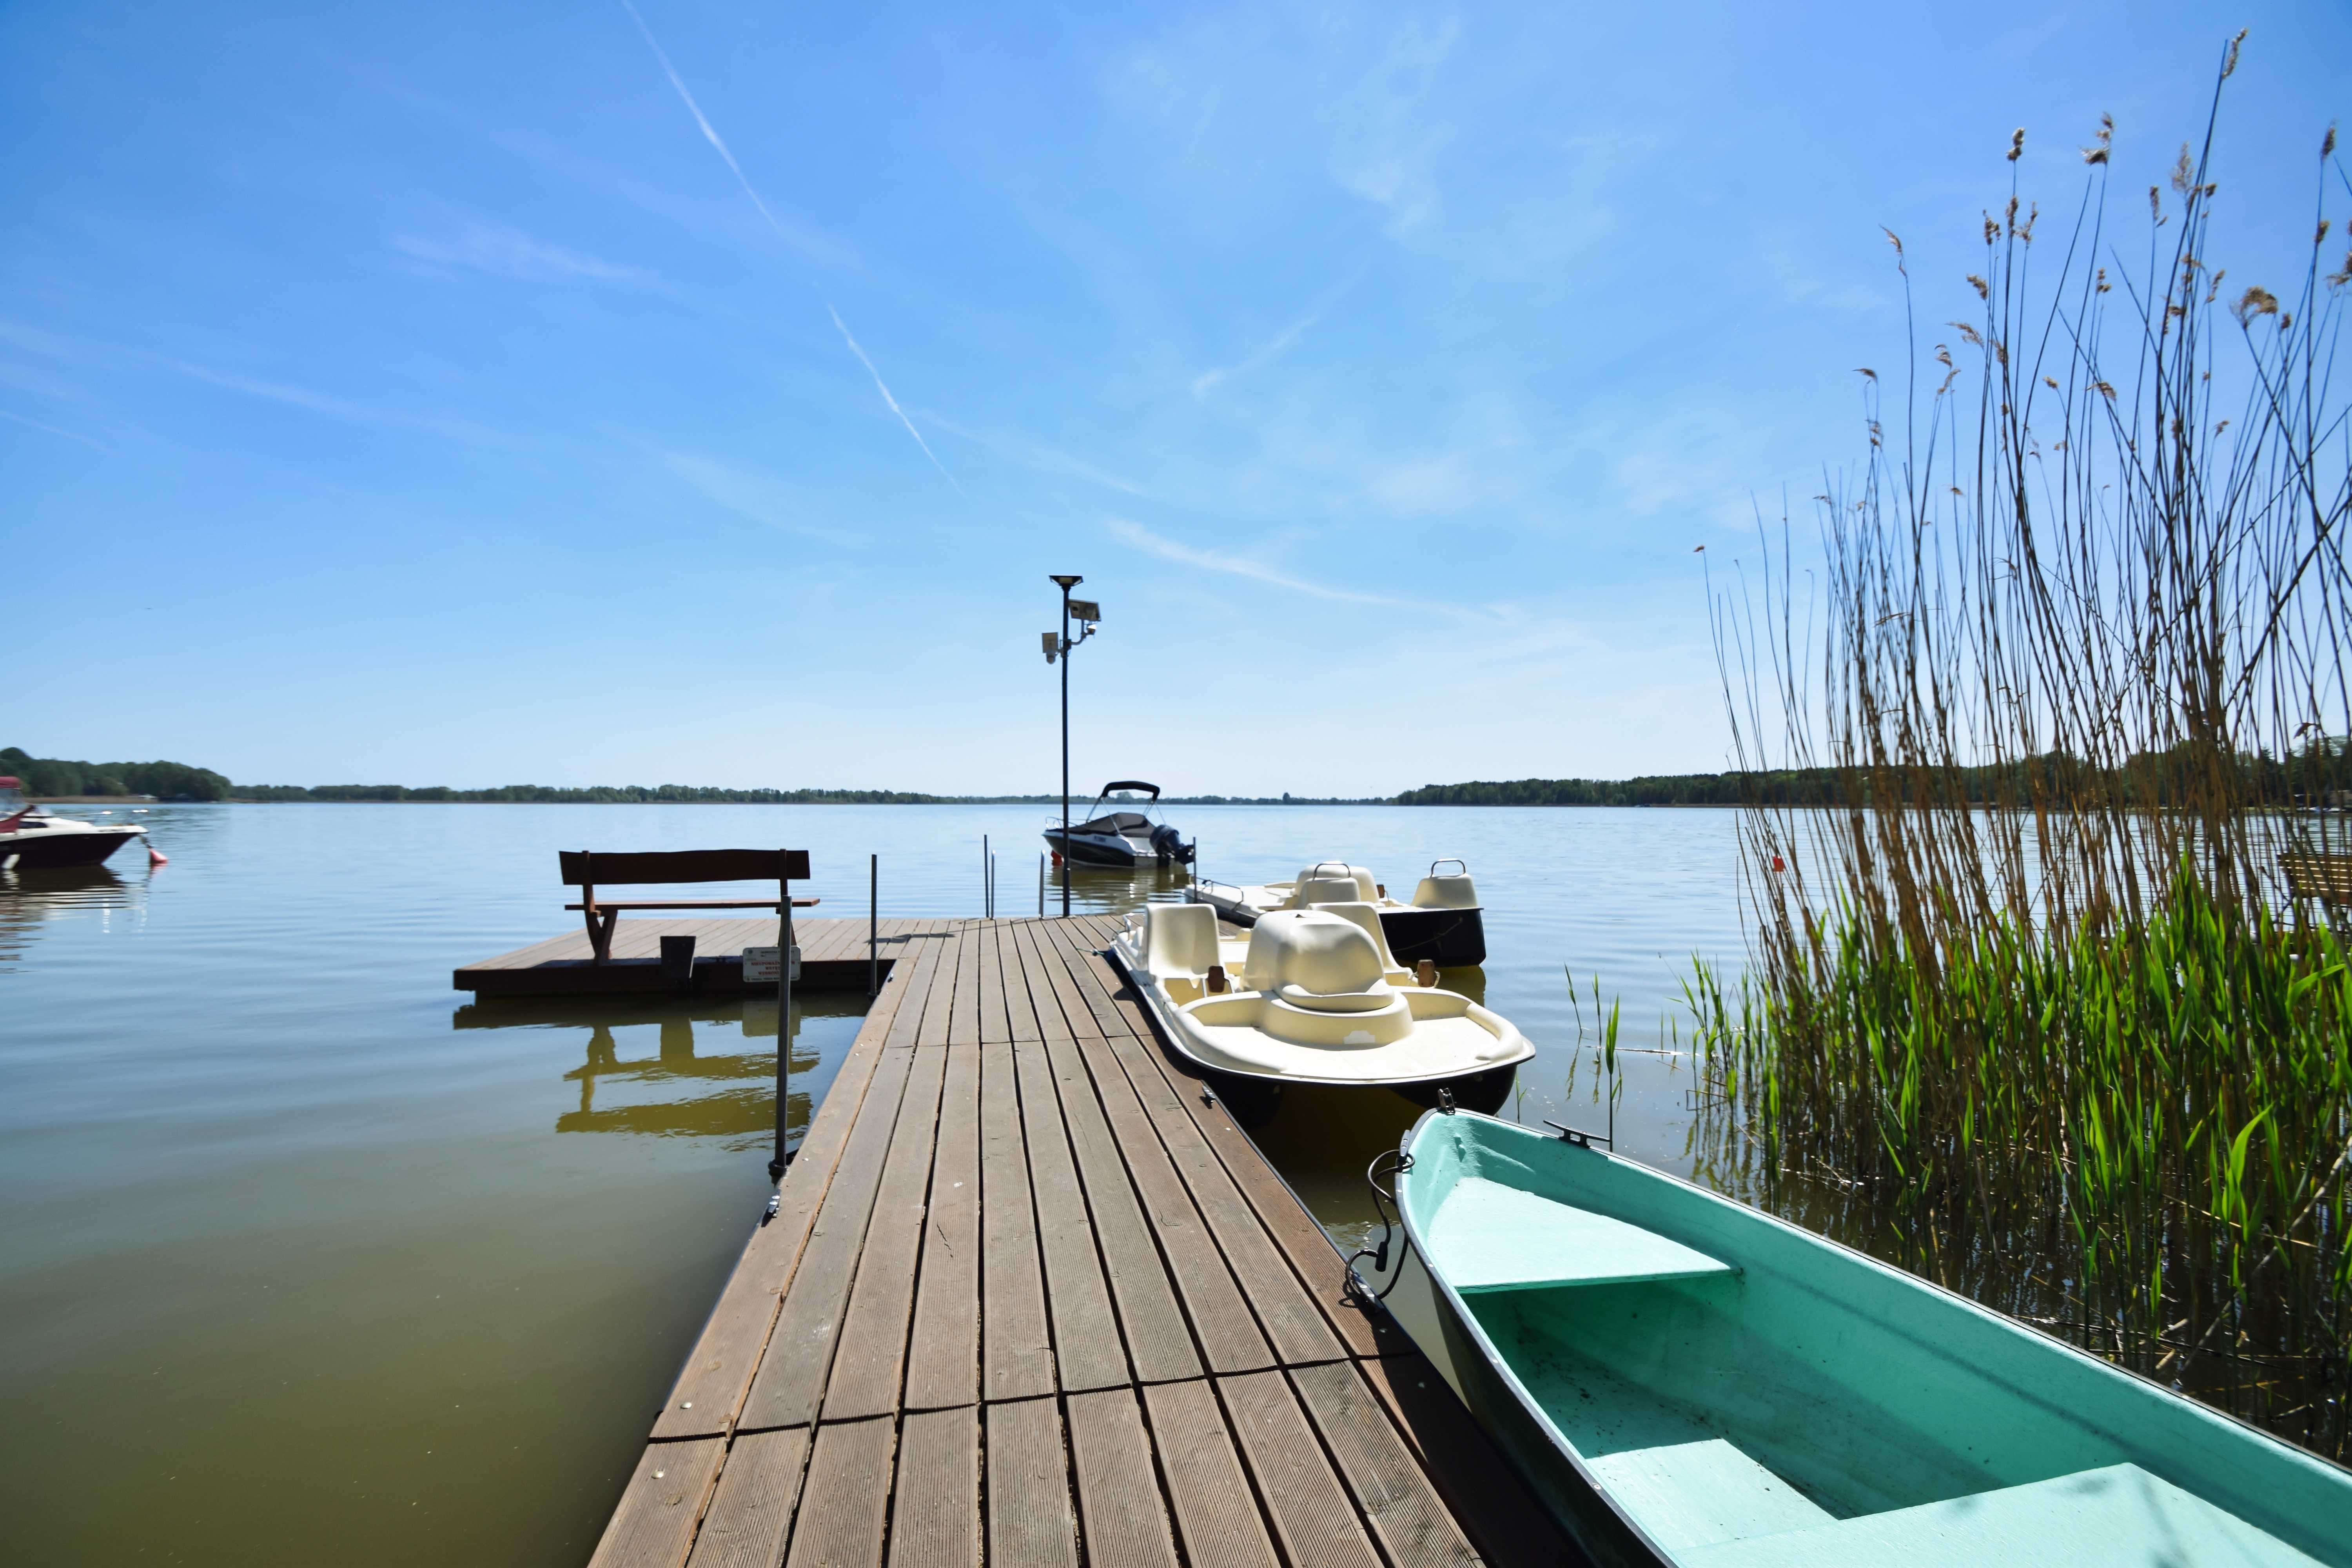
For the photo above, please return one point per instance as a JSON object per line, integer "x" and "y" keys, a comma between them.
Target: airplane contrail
{"x": 710, "y": 134}
{"x": 883, "y": 387}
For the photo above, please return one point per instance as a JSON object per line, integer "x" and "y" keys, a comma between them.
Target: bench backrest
{"x": 584, "y": 869}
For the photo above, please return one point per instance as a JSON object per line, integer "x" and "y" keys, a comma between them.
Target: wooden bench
{"x": 2314, "y": 874}
{"x": 584, "y": 870}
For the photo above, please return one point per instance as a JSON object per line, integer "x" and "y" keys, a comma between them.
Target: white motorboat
{"x": 1125, "y": 836}
{"x": 1321, "y": 999}
{"x": 1443, "y": 923}
{"x": 34, "y": 839}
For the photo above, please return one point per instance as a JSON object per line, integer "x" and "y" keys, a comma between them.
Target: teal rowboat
{"x": 1686, "y": 1381}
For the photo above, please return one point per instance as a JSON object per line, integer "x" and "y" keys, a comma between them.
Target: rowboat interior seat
{"x": 1491, "y": 1237}
{"x": 2115, "y": 1514}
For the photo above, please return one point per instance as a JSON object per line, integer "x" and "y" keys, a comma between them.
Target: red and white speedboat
{"x": 32, "y": 840}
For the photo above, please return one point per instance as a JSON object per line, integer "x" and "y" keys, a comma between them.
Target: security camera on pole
{"x": 1058, "y": 645}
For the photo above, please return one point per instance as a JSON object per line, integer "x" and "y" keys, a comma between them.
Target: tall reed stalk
{"x": 2027, "y": 1010}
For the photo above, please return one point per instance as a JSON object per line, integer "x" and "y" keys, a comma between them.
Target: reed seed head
{"x": 2016, "y": 144}
{"x": 2097, "y": 152}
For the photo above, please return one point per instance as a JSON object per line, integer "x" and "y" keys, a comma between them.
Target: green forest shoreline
{"x": 2147, "y": 780}
{"x": 52, "y": 778}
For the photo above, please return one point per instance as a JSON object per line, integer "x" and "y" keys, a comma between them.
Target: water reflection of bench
{"x": 723, "y": 1113}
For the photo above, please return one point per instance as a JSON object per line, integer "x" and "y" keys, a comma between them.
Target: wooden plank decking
{"x": 833, "y": 957}
{"x": 1033, "y": 1299}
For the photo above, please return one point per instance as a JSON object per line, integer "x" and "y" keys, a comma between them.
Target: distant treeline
{"x": 2150, "y": 779}
{"x": 164, "y": 781}
{"x": 598, "y": 795}
{"x": 695, "y": 795}
{"x": 1817, "y": 787}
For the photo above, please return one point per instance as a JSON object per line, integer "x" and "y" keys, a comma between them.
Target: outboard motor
{"x": 1169, "y": 845}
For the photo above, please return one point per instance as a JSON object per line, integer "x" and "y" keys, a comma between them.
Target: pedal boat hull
{"x": 1390, "y": 1032}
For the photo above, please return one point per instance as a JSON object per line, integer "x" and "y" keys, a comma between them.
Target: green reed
{"x": 2023, "y": 1011}
{"x": 2142, "y": 1141}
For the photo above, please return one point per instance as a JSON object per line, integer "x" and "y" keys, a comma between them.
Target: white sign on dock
{"x": 760, "y": 966}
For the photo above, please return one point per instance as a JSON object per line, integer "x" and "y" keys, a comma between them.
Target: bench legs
{"x": 600, "y": 928}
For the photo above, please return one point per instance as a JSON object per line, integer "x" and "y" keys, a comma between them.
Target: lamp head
{"x": 1068, "y": 583}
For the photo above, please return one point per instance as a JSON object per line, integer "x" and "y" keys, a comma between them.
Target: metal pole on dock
{"x": 987, "y": 894}
{"x": 783, "y": 1155}
{"x": 1062, "y": 642}
{"x": 1041, "y": 886}
{"x": 873, "y": 927}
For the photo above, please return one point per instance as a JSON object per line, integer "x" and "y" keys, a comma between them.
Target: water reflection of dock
{"x": 709, "y": 1091}
{"x": 1031, "y": 1298}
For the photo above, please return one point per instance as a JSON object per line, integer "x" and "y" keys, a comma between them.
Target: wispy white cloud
{"x": 710, "y": 134}
{"x": 1208, "y": 381}
{"x": 280, "y": 391}
{"x": 330, "y": 406}
{"x": 1036, "y": 455}
{"x": 1391, "y": 162}
{"x": 491, "y": 248}
{"x": 753, "y": 495}
{"x": 52, "y": 429}
{"x": 1138, "y": 537}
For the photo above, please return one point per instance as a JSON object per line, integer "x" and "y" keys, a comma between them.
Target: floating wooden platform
{"x": 1033, "y": 1299}
{"x": 833, "y": 958}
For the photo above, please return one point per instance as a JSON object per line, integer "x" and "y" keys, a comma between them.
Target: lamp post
{"x": 1059, "y": 644}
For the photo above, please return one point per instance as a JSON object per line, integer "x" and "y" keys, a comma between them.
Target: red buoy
{"x": 155, "y": 858}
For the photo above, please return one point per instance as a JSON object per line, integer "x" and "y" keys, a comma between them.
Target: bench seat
{"x": 2116, "y": 1517}
{"x": 1487, "y": 1236}
{"x": 1695, "y": 1494}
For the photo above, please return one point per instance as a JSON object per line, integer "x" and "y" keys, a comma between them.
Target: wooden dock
{"x": 833, "y": 958}
{"x": 1033, "y": 1299}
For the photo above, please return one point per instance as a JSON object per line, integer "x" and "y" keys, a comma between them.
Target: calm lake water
{"x": 305, "y": 1256}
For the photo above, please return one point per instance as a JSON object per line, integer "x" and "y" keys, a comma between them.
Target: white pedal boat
{"x": 1320, "y": 999}
{"x": 1444, "y": 923}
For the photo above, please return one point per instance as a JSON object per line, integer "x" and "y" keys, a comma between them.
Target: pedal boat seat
{"x": 1324, "y": 981}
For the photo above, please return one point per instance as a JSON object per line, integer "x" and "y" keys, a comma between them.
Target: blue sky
{"x": 416, "y": 393}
